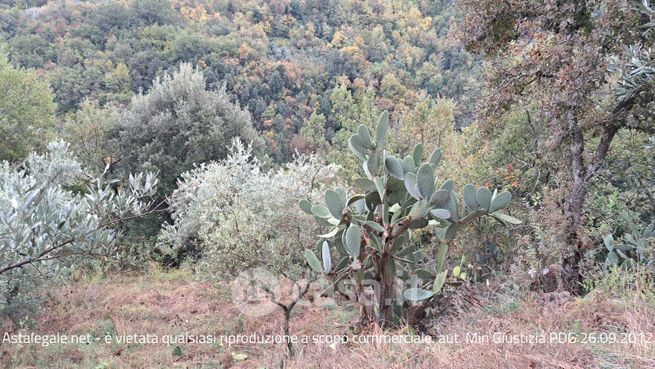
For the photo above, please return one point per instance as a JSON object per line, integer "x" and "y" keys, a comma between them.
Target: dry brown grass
{"x": 163, "y": 304}
{"x": 531, "y": 316}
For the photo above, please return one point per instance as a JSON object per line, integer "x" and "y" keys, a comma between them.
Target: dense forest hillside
{"x": 327, "y": 184}
{"x": 282, "y": 60}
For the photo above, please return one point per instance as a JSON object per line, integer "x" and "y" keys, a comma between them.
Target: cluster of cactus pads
{"x": 633, "y": 247}
{"x": 370, "y": 231}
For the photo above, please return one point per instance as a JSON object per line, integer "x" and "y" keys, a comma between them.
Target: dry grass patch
{"x": 172, "y": 304}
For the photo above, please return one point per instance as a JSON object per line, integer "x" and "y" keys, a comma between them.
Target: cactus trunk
{"x": 387, "y": 290}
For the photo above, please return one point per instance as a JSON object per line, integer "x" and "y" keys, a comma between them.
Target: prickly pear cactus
{"x": 370, "y": 230}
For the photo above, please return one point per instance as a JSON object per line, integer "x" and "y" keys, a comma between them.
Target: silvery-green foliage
{"x": 43, "y": 222}
{"x": 632, "y": 248}
{"x": 177, "y": 124}
{"x": 243, "y": 216}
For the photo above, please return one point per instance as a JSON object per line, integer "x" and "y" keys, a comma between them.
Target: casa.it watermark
{"x": 254, "y": 290}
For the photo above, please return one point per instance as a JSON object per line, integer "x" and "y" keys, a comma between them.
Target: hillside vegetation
{"x": 477, "y": 174}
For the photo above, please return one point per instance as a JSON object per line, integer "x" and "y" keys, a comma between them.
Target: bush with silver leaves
{"x": 45, "y": 225}
{"x": 241, "y": 216}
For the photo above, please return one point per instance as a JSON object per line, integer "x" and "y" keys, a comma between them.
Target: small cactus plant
{"x": 632, "y": 248}
{"x": 370, "y": 230}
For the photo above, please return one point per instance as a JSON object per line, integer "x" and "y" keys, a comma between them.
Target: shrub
{"x": 27, "y": 109}
{"x": 241, "y": 216}
{"x": 45, "y": 225}
{"x": 87, "y": 131}
{"x": 177, "y": 124}
{"x": 618, "y": 282}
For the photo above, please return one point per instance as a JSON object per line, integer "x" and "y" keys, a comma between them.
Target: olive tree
{"x": 51, "y": 214}
{"x": 178, "y": 124}
{"x": 238, "y": 215}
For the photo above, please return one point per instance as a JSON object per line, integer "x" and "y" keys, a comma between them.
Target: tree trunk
{"x": 571, "y": 277}
{"x": 582, "y": 175}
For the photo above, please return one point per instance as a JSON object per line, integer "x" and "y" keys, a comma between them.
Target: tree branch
{"x": 40, "y": 257}
{"x": 601, "y": 150}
